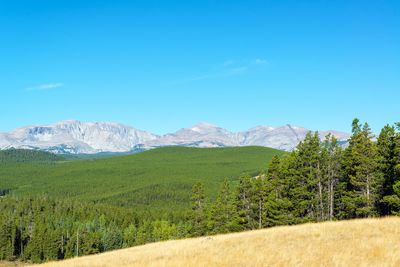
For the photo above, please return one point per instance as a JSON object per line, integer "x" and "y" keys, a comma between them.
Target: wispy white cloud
{"x": 45, "y": 86}
{"x": 229, "y": 68}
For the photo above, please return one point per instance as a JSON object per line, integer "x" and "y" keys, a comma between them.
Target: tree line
{"x": 318, "y": 181}
{"x": 28, "y": 155}
{"x": 39, "y": 229}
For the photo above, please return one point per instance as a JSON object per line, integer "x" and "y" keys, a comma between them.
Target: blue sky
{"x": 163, "y": 65}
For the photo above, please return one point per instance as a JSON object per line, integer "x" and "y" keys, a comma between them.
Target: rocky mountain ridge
{"x": 75, "y": 137}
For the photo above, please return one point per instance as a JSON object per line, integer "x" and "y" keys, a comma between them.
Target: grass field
{"x": 159, "y": 179}
{"x": 362, "y": 242}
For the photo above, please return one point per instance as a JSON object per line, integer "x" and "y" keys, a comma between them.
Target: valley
{"x": 156, "y": 179}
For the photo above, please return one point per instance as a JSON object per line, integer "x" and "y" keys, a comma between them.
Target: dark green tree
{"x": 112, "y": 238}
{"x": 389, "y": 149}
{"x": 277, "y": 206}
{"x": 198, "y": 212}
{"x": 223, "y": 217}
{"x": 6, "y": 242}
{"x": 332, "y": 170}
{"x": 259, "y": 196}
{"x": 361, "y": 172}
{"x": 243, "y": 202}
{"x": 308, "y": 182}
{"x": 386, "y": 149}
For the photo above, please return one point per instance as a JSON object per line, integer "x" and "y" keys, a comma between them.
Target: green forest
{"x": 25, "y": 155}
{"x": 153, "y": 180}
{"x": 320, "y": 180}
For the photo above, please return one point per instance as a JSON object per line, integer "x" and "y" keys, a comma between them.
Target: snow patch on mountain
{"x": 76, "y": 137}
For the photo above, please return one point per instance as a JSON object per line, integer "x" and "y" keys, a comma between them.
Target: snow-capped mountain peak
{"x": 72, "y": 136}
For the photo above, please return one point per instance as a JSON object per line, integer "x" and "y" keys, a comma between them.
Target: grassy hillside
{"x": 363, "y": 242}
{"x": 155, "y": 179}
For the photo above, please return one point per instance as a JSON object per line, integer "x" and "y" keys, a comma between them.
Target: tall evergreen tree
{"x": 198, "y": 213}
{"x": 243, "y": 197}
{"x": 308, "y": 183}
{"x": 277, "y": 205}
{"x": 223, "y": 217}
{"x": 332, "y": 155}
{"x": 6, "y": 242}
{"x": 397, "y": 153}
{"x": 386, "y": 149}
{"x": 361, "y": 171}
{"x": 259, "y": 197}
{"x": 389, "y": 148}
{"x": 112, "y": 238}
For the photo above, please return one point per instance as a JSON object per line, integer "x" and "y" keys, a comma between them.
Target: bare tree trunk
{"x": 77, "y": 243}
{"x": 368, "y": 193}
{"x": 331, "y": 200}
{"x": 21, "y": 244}
{"x": 62, "y": 244}
{"x": 321, "y": 204}
{"x": 259, "y": 215}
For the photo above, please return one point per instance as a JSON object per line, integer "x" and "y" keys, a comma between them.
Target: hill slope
{"x": 160, "y": 179}
{"x": 364, "y": 242}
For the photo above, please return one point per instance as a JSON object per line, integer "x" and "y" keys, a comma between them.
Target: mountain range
{"x": 75, "y": 137}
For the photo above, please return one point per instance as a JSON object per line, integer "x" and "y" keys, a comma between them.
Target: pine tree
{"x": 6, "y": 242}
{"x": 333, "y": 156}
{"x": 273, "y": 176}
{"x": 361, "y": 170}
{"x": 277, "y": 206}
{"x": 198, "y": 214}
{"x": 112, "y": 238}
{"x": 309, "y": 182}
{"x": 389, "y": 149}
{"x": 243, "y": 197}
{"x": 259, "y": 197}
{"x": 397, "y": 154}
{"x": 50, "y": 244}
{"x": 34, "y": 248}
{"x": 386, "y": 150}
{"x": 223, "y": 217}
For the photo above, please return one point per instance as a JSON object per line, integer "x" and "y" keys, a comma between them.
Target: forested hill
{"x": 27, "y": 155}
{"x": 154, "y": 180}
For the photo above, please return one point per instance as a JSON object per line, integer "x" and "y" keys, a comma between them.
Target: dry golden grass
{"x": 365, "y": 242}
